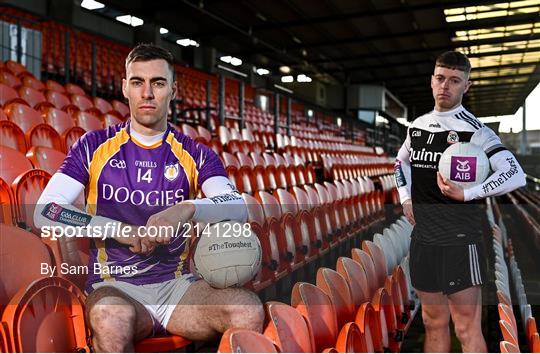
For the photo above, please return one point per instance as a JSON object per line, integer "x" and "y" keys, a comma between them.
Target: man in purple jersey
{"x": 137, "y": 175}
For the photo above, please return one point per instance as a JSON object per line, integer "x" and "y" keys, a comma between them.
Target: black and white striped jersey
{"x": 440, "y": 220}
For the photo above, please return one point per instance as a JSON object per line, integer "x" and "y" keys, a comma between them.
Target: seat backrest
{"x": 12, "y": 136}
{"x": 254, "y": 208}
{"x": 15, "y": 67}
{"x": 58, "y": 119}
{"x": 120, "y": 107}
{"x": 31, "y": 95}
{"x": 25, "y": 117}
{"x": 58, "y": 325}
{"x": 21, "y": 256}
{"x": 204, "y": 133}
{"x": 509, "y": 332}
{"x": 88, "y": 121}
{"x": 302, "y": 198}
{"x": 27, "y": 188}
{"x": 7, "y": 93}
{"x": 367, "y": 263}
{"x": 508, "y": 347}
{"x": 288, "y": 329}
{"x": 506, "y": 313}
{"x": 377, "y": 256}
{"x": 12, "y": 164}
{"x": 271, "y": 206}
{"x": 315, "y": 305}
{"x": 244, "y": 159}
{"x": 58, "y": 99}
{"x": 102, "y": 105}
{"x": 230, "y": 160}
{"x": 355, "y": 275}
{"x": 54, "y": 86}
{"x": 287, "y": 201}
{"x": 30, "y": 81}
{"x": 45, "y": 158}
{"x": 7, "y": 204}
{"x": 71, "y": 135}
{"x": 336, "y": 287}
{"x": 257, "y": 159}
{"x": 110, "y": 119}
{"x": 9, "y": 79}
{"x": 82, "y": 102}
{"x": 237, "y": 340}
{"x": 73, "y": 89}
{"x": 44, "y": 135}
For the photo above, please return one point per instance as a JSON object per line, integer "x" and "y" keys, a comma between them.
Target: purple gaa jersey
{"x": 129, "y": 182}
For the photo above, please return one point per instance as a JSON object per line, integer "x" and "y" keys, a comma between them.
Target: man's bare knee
{"x": 247, "y": 313}
{"x": 112, "y": 319}
{"x": 435, "y": 319}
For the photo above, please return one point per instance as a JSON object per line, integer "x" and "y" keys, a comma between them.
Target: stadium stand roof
{"x": 390, "y": 42}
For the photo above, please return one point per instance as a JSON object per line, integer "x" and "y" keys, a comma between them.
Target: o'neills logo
{"x": 423, "y": 155}
{"x": 228, "y": 245}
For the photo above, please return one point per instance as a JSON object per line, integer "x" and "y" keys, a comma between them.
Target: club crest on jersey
{"x": 453, "y": 137}
{"x": 171, "y": 172}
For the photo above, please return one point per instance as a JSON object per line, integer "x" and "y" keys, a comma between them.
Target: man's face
{"x": 448, "y": 87}
{"x": 149, "y": 89}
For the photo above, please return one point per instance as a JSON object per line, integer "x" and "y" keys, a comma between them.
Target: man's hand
{"x": 136, "y": 243}
{"x": 166, "y": 222}
{"x": 449, "y": 189}
{"x": 408, "y": 211}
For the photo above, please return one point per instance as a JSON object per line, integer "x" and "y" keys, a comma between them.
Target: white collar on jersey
{"x": 147, "y": 140}
{"x": 449, "y": 113}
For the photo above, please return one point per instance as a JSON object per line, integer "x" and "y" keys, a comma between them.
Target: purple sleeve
{"x": 76, "y": 162}
{"x": 208, "y": 164}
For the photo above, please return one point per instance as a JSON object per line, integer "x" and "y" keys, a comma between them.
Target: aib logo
{"x": 463, "y": 169}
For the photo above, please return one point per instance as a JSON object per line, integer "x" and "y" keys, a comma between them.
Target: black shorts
{"x": 446, "y": 269}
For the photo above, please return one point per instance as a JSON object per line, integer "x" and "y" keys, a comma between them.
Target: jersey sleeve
{"x": 402, "y": 170}
{"x": 208, "y": 164}
{"x": 77, "y": 162}
{"x": 507, "y": 172}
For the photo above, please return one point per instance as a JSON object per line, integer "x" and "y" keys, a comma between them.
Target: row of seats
{"x": 503, "y": 276}
{"x": 358, "y": 307}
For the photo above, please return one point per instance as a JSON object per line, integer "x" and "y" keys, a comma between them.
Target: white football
{"x": 465, "y": 164}
{"x": 227, "y": 254}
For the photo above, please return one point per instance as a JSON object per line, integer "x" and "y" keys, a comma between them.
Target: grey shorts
{"x": 159, "y": 299}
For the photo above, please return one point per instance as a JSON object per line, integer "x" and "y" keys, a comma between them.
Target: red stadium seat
{"x": 315, "y": 305}
{"x": 4, "y": 343}
{"x": 188, "y": 130}
{"x": 120, "y": 107}
{"x": 88, "y": 121}
{"x": 30, "y": 81}
{"x": 8, "y": 94}
{"x": 44, "y": 135}
{"x": 367, "y": 263}
{"x": 25, "y": 117}
{"x": 509, "y": 332}
{"x": 54, "y": 86}
{"x": 102, "y": 105}
{"x": 9, "y": 79}
{"x": 82, "y": 102}
{"x": 7, "y": 204}
{"x": 287, "y": 329}
{"x": 58, "y": 119}
{"x": 386, "y": 321}
{"x": 336, "y": 287}
{"x": 16, "y": 68}
{"x": 21, "y": 257}
{"x": 27, "y": 188}
{"x": 354, "y": 274}
{"x": 58, "y": 325}
{"x": 110, "y": 119}
{"x": 13, "y": 163}
{"x": 32, "y": 96}
{"x": 58, "y": 99}
{"x": 45, "y": 158}
{"x": 161, "y": 344}
{"x": 508, "y": 347}
{"x": 73, "y": 89}
{"x": 70, "y": 136}
{"x": 237, "y": 340}
{"x": 3, "y": 115}
{"x": 378, "y": 257}
{"x": 204, "y": 135}
{"x": 12, "y": 136}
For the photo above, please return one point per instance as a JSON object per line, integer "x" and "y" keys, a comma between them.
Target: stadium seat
{"x": 509, "y": 332}
{"x": 3, "y": 115}
{"x": 44, "y": 135}
{"x": 288, "y": 329}
{"x": 390, "y": 336}
{"x": 16, "y": 68}
{"x": 102, "y": 105}
{"x": 354, "y": 274}
{"x": 7, "y": 78}
{"x": 12, "y": 136}
{"x": 45, "y": 158}
{"x": 236, "y": 340}
{"x": 9, "y": 95}
{"x": 366, "y": 319}
{"x": 535, "y": 346}
{"x": 7, "y": 204}
{"x": 33, "y": 97}
{"x": 27, "y": 188}
{"x": 59, "y": 100}
{"x": 110, "y": 119}
{"x": 70, "y": 136}
{"x": 378, "y": 257}
{"x": 12, "y": 164}
{"x": 336, "y": 287}
{"x": 54, "y": 86}
{"x": 204, "y": 135}
{"x": 315, "y": 305}
{"x": 88, "y": 121}
{"x": 30, "y": 81}
{"x": 508, "y": 347}
{"x": 120, "y": 107}
{"x": 367, "y": 263}
{"x": 48, "y": 317}
{"x": 58, "y": 119}
{"x": 73, "y": 89}
{"x": 25, "y": 117}
{"x": 506, "y": 313}
{"x": 82, "y": 102}
{"x": 21, "y": 256}
{"x": 4, "y": 343}
{"x": 161, "y": 344}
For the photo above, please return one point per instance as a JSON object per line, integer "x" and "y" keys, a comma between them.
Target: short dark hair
{"x": 150, "y": 51}
{"x": 454, "y": 60}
